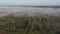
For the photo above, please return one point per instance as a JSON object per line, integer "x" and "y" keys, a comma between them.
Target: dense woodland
{"x": 29, "y": 25}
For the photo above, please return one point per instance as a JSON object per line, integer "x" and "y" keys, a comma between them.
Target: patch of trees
{"x": 31, "y": 24}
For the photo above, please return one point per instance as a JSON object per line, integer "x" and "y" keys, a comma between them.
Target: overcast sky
{"x": 29, "y": 2}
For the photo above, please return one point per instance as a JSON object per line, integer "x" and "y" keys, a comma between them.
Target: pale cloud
{"x": 29, "y": 2}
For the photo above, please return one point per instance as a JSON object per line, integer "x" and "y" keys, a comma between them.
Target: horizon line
{"x": 41, "y": 6}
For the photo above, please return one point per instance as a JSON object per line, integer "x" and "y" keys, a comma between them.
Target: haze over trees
{"x": 28, "y": 20}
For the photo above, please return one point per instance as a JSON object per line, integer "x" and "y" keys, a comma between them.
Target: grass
{"x": 18, "y": 32}
{"x": 22, "y": 32}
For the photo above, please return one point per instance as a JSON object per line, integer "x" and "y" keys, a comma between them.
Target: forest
{"x": 29, "y": 25}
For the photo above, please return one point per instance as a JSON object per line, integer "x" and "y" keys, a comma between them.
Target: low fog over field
{"x": 31, "y": 11}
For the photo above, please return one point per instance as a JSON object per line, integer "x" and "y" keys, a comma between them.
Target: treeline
{"x": 45, "y": 25}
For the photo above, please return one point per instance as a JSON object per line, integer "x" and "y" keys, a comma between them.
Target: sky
{"x": 29, "y": 2}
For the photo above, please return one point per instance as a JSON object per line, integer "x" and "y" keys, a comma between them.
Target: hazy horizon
{"x": 29, "y": 11}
